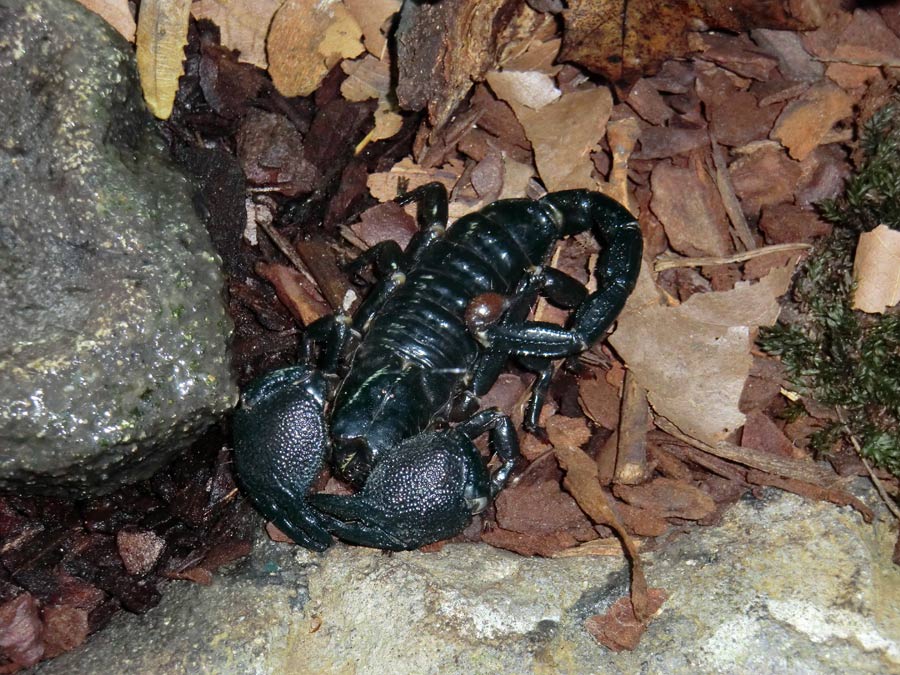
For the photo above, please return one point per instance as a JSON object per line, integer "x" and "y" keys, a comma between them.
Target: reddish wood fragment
{"x": 648, "y": 103}
{"x": 295, "y": 291}
{"x": 761, "y": 433}
{"x": 620, "y": 629}
{"x": 272, "y": 154}
{"x": 640, "y": 522}
{"x": 385, "y": 222}
{"x": 570, "y": 431}
{"x": 807, "y": 122}
{"x": 822, "y": 175}
{"x": 763, "y": 384}
{"x": 582, "y": 483}
{"x": 668, "y": 497}
{"x": 600, "y": 401}
{"x": 734, "y": 52}
{"x": 740, "y": 119}
{"x": 540, "y": 509}
{"x": 766, "y": 176}
{"x": 794, "y": 62}
{"x": 198, "y": 575}
{"x": 318, "y": 258}
{"x": 787, "y": 223}
{"x": 21, "y": 631}
{"x": 659, "y": 142}
{"x": 631, "y": 460}
{"x": 833, "y": 495}
{"x": 529, "y": 544}
{"x": 689, "y": 206}
{"x": 140, "y": 550}
{"x": 668, "y": 464}
{"x": 65, "y": 627}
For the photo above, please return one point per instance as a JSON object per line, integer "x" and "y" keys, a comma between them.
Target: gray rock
{"x": 113, "y": 338}
{"x": 783, "y": 586}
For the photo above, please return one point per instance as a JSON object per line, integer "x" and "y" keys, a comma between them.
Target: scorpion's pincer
{"x": 280, "y": 446}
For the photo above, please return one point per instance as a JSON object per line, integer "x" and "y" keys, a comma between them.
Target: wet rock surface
{"x": 112, "y": 347}
{"x": 784, "y": 585}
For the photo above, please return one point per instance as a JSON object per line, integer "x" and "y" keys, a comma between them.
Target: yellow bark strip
{"x": 162, "y": 30}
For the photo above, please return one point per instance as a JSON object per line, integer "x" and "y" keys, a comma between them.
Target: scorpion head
{"x": 426, "y": 490}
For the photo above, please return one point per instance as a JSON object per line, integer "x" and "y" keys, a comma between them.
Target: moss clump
{"x": 834, "y": 354}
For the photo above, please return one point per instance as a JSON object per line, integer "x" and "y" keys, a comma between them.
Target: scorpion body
{"x": 435, "y": 332}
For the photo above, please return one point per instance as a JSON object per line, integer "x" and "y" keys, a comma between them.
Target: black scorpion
{"x": 431, "y": 337}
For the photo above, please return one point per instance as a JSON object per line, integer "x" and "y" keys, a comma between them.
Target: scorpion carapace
{"x": 432, "y": 336}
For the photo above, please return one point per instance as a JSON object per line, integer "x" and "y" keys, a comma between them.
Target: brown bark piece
{"x": 667, "y": 497}
{"x": 735, "y": 53}
{"x": 740, "y": 119}
{"x": 541, "y": 509}
{"x": 544, "y": 545}
{"x": 766, "y": 176}
{"x": 689, "y": 206}
{"x": 866, "y": 39}
{"x": 822, "y": 175}
{"x": 387, "y": 221}
{"x": 600, "y": 401}
{"x": 442, "y": 47}
{"x": 806, "y": 123}
{"x": 640, "y": 522}
{"x": 659, "y": 142}
{"x": 788, "y": 224}
{"x": 794, "y": 62}
{"x": 271, "y": 151}
{"x": 619, "y": 629}
{"x": 295, "y": 291}
{"x": 631, "y": 459}
{"x": 648, "y": 103}
{"x": 761, "y": 433}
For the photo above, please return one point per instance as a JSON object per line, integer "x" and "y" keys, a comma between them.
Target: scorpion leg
{"x": 426, "y": 490}
{"x": 280, "y": 446}
{"x": 390, "y": 263}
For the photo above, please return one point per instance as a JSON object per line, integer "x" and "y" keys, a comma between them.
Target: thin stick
{"x": 879, "y": 486}
{"x": 669, "y": 262}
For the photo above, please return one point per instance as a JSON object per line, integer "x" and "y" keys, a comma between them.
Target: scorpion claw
{"x": 425, "y": 491}
{"x": 280, "y": 446}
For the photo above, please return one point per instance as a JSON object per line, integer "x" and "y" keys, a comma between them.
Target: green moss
{"x": 834, "y": 354}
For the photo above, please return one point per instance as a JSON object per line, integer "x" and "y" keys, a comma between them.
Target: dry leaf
{"x": 528, "y": 88}
{"x": 877, "y": 270}
{"x": 243, "y": 25}
{"x": 694, "y": 359}
{"x": 620, "y": 629}
{"x": 623, "y": 39}
{"x": 115, "y": 13}
{"x": 373, "y": 17}
{"x": 306, "y": 39}
{"x": 563, "y": 135}
{"x": 162, "y": 30}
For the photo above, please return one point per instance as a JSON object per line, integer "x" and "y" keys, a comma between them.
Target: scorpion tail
{"x": 280, "y": 446}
